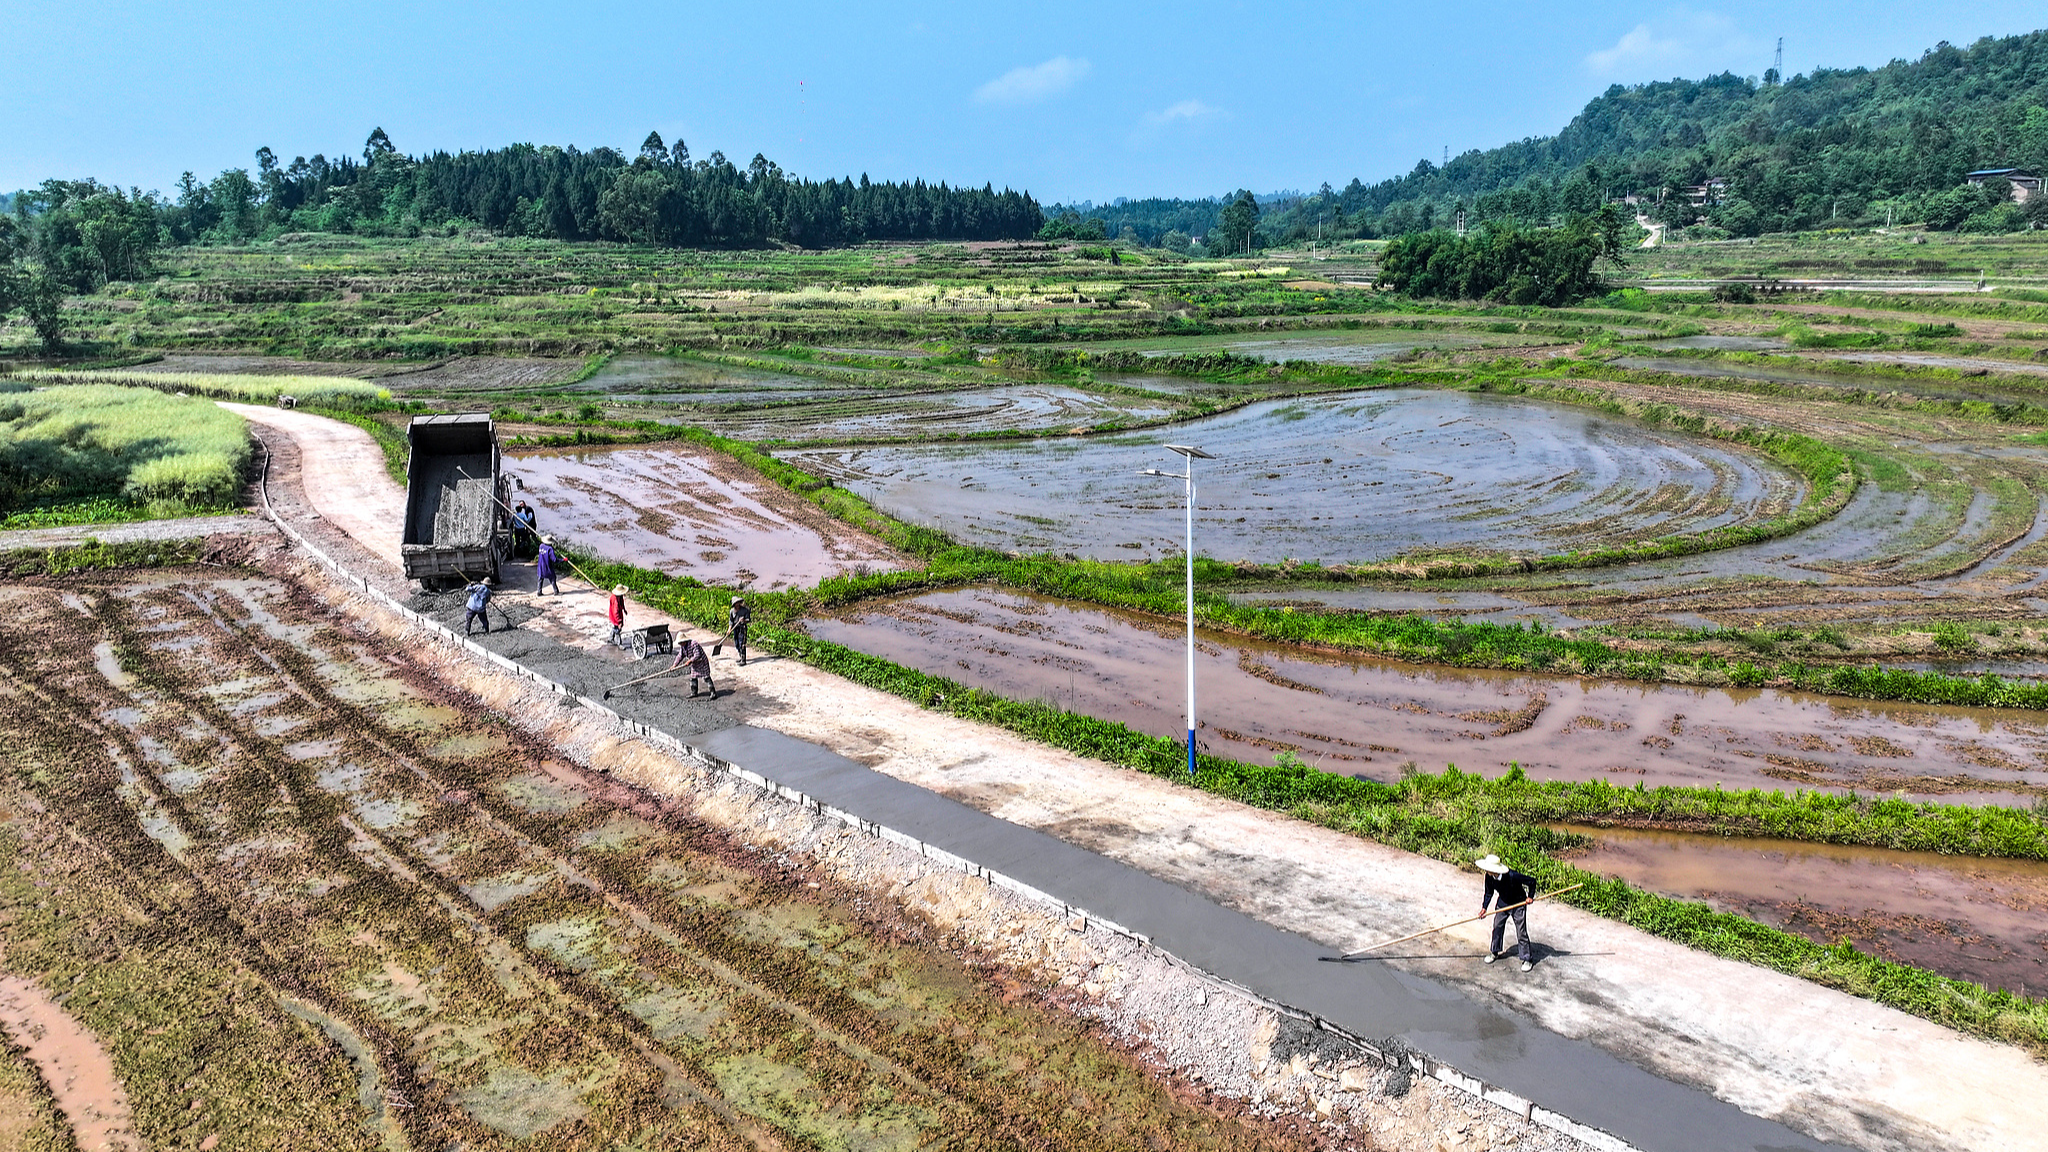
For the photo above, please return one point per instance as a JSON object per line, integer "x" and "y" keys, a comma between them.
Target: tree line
{"x": 658, "y": 196}
{"x": 68, "y": 236}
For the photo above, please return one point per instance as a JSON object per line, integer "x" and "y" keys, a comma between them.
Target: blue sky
{"x": 1069, "y": 100}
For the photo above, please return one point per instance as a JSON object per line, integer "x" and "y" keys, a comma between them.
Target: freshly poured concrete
{"x": 1481, "y": 1039}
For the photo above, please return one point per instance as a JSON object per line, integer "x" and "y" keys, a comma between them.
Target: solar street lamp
{"x": 1188, "y": 456}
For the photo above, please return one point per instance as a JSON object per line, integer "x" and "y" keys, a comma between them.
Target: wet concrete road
{"x": 1573, "y": 1078}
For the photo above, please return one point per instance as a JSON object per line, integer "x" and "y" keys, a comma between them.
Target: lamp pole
{"x": 1188, "y": 456}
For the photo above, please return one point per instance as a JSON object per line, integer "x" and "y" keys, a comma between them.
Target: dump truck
{"x": 458, "y": 526}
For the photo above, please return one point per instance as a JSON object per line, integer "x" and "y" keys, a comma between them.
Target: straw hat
{"x": 1491, "y": 863}
{"x": 546, "y": 539}
{"x": 620, "y": 590}
{"x": 736, "y": 600}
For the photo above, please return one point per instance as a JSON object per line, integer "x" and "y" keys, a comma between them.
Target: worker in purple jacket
{"x": 693, "y": 654}
{"x": 544, "y": 568}
{"x": 1508, "y": 890}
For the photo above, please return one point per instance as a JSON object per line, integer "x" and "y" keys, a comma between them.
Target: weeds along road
{"x": 304, "y": 896}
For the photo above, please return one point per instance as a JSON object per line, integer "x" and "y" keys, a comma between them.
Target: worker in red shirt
{"x": 616, "y": 610}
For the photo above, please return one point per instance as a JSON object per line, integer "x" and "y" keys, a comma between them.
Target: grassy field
{"x": 96, "y": 452}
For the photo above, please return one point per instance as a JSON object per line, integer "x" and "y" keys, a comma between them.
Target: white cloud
{"x": 1035, "y": 83}
{"x": 1683, "y": 42}
{"x": 1638, "y": 47}
{"x": 1185, "y": 110}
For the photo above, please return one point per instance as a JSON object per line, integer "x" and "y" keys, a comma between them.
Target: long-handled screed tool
{"x": 644, "y": 679}
{"x": 1452, "y": 924}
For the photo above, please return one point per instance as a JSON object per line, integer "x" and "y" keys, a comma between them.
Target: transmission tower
{"x": 1778, "y": 65}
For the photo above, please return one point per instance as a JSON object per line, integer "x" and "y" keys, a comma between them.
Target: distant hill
{"x": 1837, "y": 146}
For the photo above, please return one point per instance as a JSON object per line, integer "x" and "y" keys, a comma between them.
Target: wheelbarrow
{"x": 654, "y": 638}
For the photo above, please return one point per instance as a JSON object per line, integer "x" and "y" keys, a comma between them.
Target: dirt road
{"x": 344, "y": 476}
{"x": 1819, "y": 1060}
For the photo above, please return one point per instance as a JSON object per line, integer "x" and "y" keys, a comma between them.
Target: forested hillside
{"x": 92, "y": 232}
{"x": 1837, "y": 147}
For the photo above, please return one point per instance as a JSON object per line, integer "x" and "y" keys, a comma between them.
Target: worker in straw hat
{"x": 1507, "y": 890}
{"x": 737, "y": 619}
{"x": 615, "y": 609}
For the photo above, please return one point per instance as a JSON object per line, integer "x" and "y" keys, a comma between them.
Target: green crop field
{"x": 94, "y": 451}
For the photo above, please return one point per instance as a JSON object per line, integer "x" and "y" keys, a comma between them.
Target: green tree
{"x": 1236, "y": 226}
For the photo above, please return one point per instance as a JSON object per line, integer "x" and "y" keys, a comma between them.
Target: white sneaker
{"x": 1526, "y": 966}
{"x": 1490, "y": 958}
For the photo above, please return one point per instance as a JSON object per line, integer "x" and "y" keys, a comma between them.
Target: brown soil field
{"x": 300, "y": 893}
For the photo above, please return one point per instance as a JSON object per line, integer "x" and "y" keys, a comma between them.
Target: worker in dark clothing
{"x": 1506, "y": 888}
{"x": 693, "y": 654}
{"x": 525, "y": 529}
{"x": 737, "y": 618}
{"x": 479, "y": 602}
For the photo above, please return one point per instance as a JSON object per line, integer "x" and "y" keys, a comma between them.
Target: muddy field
{"x": 267, "y": 885}
{"x": 1367, "y": 717}
{"x": 1356, "y": 478}
{"x": 1022, "y": 407}
{"x": 1971, "y": 918}
{"x": 689, "y": 512}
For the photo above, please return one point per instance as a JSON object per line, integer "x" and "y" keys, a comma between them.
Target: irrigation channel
{"x": 1318, "y": 480}
{"x": 280, "y": 873}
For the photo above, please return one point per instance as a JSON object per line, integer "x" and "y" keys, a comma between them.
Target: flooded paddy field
{"x": 1356, "y": 346}
{"x": 1359, "y": 477}
{"x": 685, "y": 378}
{"x": 690, "y": 512}
{"x": 272, "y": 886}
{"x": 1935, "y": 389}
{"x": 1972, "y": 918}
{"x": 1018, "y": 407}
{"x": 1367, "y": 717}
{"x": 1947, "y": 523}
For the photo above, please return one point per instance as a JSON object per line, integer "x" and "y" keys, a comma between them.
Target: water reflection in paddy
{"x": 1337, "y": 479}
{"x": 1968, "y": 917}
{"x": 1367, "y": 717}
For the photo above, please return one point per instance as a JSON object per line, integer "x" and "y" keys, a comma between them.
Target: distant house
{"x": 1711, "y": 192}
{"x": 2025, "y": 185}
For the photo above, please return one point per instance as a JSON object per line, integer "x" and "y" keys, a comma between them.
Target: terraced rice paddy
{"x": 1362, "y": 477}
{"x": 295, "y": 894}
{"x": 689, "y": 512}
{"x": 1367, "y": 717}
{"x": 1973, "y": 919}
